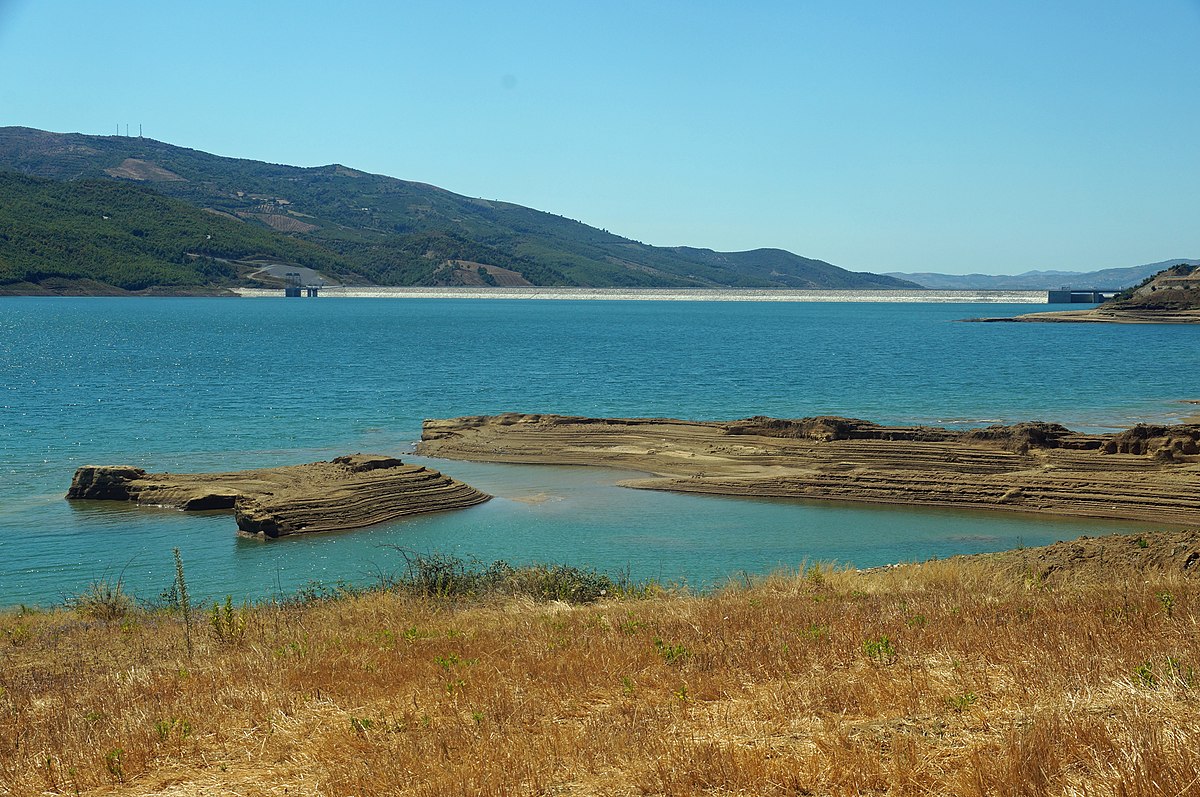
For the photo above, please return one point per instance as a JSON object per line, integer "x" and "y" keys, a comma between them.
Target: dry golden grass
{"x": 964, "y": 677}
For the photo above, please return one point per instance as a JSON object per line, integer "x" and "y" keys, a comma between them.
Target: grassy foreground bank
{"x": 1020, "y": 674}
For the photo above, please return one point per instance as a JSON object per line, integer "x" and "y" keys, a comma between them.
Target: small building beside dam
{"x": 1078, "y": 296}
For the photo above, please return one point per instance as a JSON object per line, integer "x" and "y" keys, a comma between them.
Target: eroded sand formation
{"x": 346, "y": 493}
{"x": 1147, "y": 473}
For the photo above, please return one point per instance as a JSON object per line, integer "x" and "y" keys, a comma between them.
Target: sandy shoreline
{"x": 1102, "y": 316}
{"x": 1143, "y": 474}
{"x": 670, "y": 294}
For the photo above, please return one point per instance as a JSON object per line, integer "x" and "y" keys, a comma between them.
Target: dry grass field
{"x": 985, "y": 676}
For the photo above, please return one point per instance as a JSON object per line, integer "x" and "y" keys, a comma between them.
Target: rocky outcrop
{"x": 1145, "y": 473}
{"x": 345, "y": 493}
{"x": 1163, "y": 442}
{"x": 826, "y": 428}
{"x": 105, "y": 482}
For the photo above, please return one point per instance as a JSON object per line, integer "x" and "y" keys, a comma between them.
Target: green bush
{"x": 443, "y": 575}
{"x": 103, "y": 600}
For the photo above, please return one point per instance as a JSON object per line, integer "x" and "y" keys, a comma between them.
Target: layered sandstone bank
{"x": 1145, "y": 473}
{"x": 346, "y": 493}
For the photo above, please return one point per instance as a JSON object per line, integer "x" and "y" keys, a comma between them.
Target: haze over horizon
{"x": 924, "y": 137}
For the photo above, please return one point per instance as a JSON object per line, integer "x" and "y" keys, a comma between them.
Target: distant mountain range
{"x": 93, "y": 213}
{"x": 1109, "y": 279}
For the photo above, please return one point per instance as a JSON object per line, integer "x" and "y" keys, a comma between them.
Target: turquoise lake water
{"x": 201, "y": 384}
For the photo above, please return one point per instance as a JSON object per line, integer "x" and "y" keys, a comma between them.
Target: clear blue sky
{"x": 939, "y": 135}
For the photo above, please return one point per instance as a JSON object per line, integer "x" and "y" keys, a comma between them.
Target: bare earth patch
{"x": 281, "y": 222}
{"x": 135, "y": 169}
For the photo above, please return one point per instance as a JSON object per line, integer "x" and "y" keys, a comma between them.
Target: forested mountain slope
{"x": 101, "y": 236}
{"x": 381, "y": 230}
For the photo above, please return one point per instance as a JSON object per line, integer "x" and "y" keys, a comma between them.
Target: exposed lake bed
{"x": 1147, "y": 473}
{"x": 193, "y": 385}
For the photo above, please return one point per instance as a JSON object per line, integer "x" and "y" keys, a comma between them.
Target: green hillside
{"x": 381, "y": 230}
{"x": 86, "y": 235}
